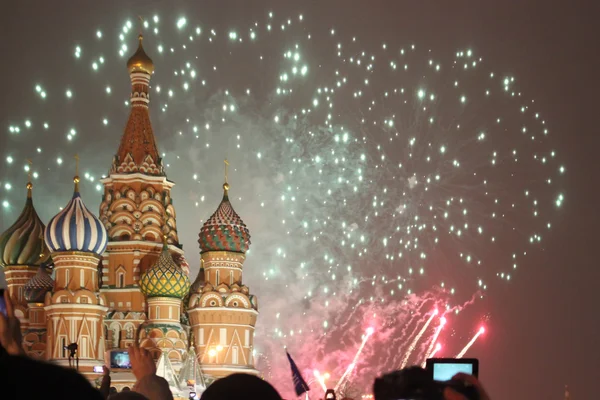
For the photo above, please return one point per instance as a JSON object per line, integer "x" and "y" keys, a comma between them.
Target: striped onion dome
{"x": 165, "y": 278}
{"x": 224, "y": 230}
{"x": 22, "y": 243}
{"x": 75, "y": 228}
{"x": 36, "y": 288}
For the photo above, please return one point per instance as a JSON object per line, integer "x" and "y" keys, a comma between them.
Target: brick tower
{"x": 75, "y": 309}
{"x": 221, "y": 310}
{"x": 136, "y": 210}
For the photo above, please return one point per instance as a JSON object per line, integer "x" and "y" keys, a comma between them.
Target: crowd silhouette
{"x": 21, "y": 376}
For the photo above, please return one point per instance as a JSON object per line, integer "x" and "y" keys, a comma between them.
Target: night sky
{"x": 541, "y": 328}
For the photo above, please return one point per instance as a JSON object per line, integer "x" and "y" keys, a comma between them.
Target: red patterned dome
{"x": 224, "y": 230}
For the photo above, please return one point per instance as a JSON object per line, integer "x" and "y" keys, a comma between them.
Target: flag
{"x": 299, "y": 384}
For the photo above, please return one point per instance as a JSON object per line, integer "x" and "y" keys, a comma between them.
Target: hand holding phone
{"x": 142, "y": 363}
{"x": 443, "y": 369}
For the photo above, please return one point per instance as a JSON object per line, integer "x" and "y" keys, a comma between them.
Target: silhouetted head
{"x": 242, "y": 387}
{"x": 412, "y": 382}
{"x": 127, "y": 395}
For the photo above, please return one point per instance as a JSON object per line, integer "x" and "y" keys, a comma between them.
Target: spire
{"x": 226, "y": 184}
{"x": 165, "y": 370}
{"x": 29, "y": 176}
{"x": 76, "y": 177}
{"x": 137, "y": 151}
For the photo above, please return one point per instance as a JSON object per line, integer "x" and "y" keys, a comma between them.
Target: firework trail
{"x": 413, "y": 344}
{"x": 437, "y": 349}
{"x": 321, "y": 379}
{"x": 468, "y": 346}
{"x": 368, "y": 334}
{"x": 430, "y": 349}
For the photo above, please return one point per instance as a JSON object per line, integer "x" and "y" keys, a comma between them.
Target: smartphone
{"x": 2, "y": 303}
{"x": 120, "y": 359}
{"x": 443, "y": 369}
{"x": 98, "y": 369}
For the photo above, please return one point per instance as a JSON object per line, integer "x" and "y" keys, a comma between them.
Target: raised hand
{"x": 472, "y": 381}
{"x": 142, "y": 363}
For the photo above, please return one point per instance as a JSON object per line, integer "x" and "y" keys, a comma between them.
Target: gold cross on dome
{"x": 141, "y": 24}
{"x": 30, "y": 171}
{"x": 226, "y": 168}
{"x": 76, "y": 164}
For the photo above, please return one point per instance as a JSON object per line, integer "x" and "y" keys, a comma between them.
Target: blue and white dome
{"x": 75, "y": 228}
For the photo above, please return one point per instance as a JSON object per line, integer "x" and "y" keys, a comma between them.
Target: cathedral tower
{"x": 221, "y": 310}
{"x": 22, "y": 252}
{"x": 164, "y": 285}
{"x": 75, "y": 309}
{"x": 136, "y": 210}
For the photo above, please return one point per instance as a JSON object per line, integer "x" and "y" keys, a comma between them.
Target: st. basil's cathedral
{"x": 105, "y": 282}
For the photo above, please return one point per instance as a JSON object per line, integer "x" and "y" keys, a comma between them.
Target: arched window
{"x": 231, "y": 277}
{"x": 66, "y": 277}
{"x": 121, "y": 282}
{"x": 217, "y": 278}
{"x": 157, "y": 312}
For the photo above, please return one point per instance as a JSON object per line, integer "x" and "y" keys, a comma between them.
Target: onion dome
{"x": 75, "y": 228}
{"x": 165, "y": 278}
{"x": 140, "y": 62}
{"x": 224, "y": 230}
{"x": 22, "y": 243}
{"x": 36, "y": 288}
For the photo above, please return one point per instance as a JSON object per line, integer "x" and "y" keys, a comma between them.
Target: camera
{"x": 416, "y": 383}
{"x": 119, "y": 359}
{"x": 72, "y": 348}
{"x": 443, "y": 369}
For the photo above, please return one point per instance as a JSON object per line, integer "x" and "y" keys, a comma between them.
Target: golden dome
{"x": 140, "y": 62}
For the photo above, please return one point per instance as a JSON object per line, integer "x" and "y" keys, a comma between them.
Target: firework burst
{"x": 379, "y": 182}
